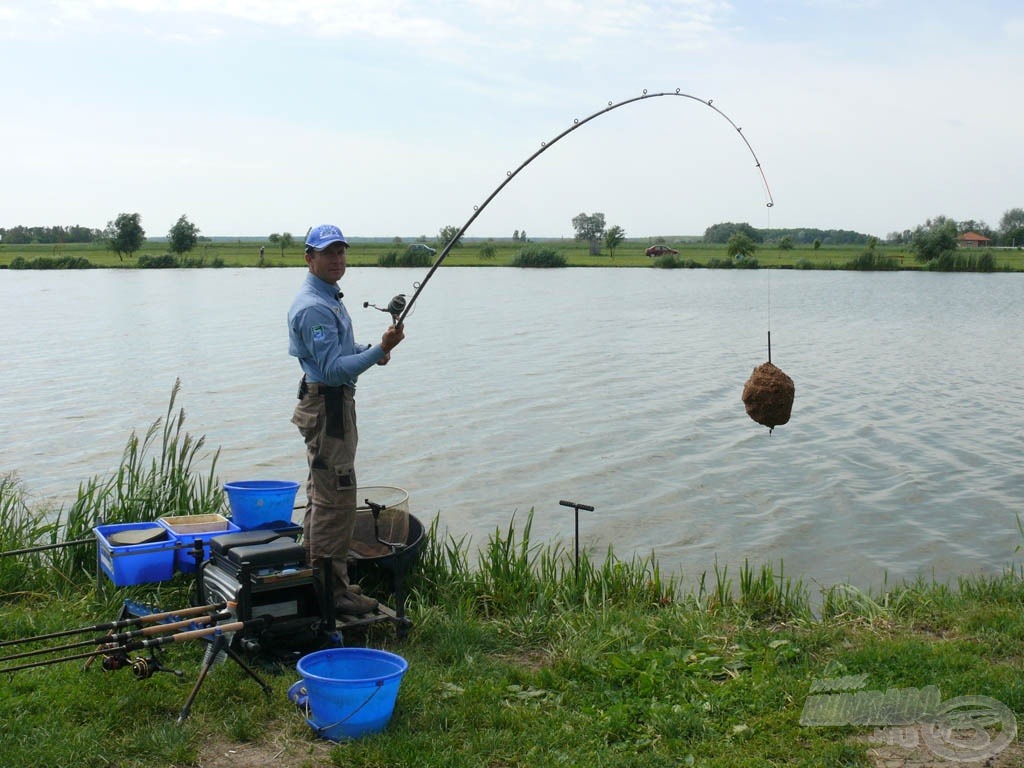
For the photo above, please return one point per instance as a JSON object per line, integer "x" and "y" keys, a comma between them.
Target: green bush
{"x": 538, "y": 257}
{"x": 871, "y": 261}
{"x": 958, "y": 261}
{"x": 45, "y": 262}
{"x": 416, "y": 257}
{"x": 167, "y": 261}
{"x": 199, "y": 262}
{"x": 717, "y": 263}
{"x": 411, "y": 257}
{"x": 671, "y": 261}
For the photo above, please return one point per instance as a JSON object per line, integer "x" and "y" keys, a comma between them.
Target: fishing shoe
{"x": 351, "y": 604}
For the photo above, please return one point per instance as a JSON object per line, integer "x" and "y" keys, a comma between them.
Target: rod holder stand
{"x": 576, "y": 507}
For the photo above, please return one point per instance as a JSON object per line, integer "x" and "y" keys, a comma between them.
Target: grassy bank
{"x": 501, "y": 253}
{"x": 514, "y": 661}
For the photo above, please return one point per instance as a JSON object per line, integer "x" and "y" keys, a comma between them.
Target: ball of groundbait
{"x": 768, "y": 395}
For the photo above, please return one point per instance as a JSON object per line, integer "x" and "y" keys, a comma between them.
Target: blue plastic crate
{"x": 134, "y": 563}
{"x": 186, "y": 529}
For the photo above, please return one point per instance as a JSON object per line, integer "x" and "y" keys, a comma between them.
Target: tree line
{"x": 22, "y": 235}
{"x": 124, "y": 235}
{"x": 1009, "y": 233}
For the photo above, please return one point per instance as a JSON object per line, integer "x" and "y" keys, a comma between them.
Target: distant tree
{"x": 125, "y": 235}
{"x": 934, "y": 239}
{"x": 183, "y": 236}
{"x": 522, "y": 236}
{"x": 282, "y": 241}
{"x": 613, "y": 238}
{"x": 720, "y": 233}
{"x": 1011, "y": 228}
{"x": 970, "y": 225}
{"x": 816, "y": 244}
{"x": 740, "y": 245}
{"x": 515, "y": 236}
{"x": 590, "y": 230}
{"x": 488, "y": 251}
{"x": 785, "y": 243}
{"x": 397, "y": 240}
{"x": 447, "y": 234}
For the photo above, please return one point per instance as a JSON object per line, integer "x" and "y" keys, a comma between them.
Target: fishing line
{"x": 544, "y": 146}
{"x": 769, "y": 392}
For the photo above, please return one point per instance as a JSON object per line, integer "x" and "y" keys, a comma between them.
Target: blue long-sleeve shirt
{"x": 320, "y": 335}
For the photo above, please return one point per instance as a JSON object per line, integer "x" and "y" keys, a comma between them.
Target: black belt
{"x": 312, "y": 387}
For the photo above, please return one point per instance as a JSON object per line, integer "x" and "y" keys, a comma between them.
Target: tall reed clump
{"x": 157, "y": 477}
{"x": 153, "y": 480}
{"x": 515, "y": 576}
{"x": 20, "y": 528}
{"x": 763, "y": 595}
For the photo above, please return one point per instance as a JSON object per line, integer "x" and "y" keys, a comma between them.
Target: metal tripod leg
{"x": 218, "y": 644}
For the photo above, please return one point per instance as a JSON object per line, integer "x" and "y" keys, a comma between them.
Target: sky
{"x": 398, "y": 117}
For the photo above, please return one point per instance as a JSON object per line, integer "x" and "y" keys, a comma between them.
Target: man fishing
{"x": 320, "y": 336}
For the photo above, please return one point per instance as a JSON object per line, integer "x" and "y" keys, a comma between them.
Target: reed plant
{"x": 513, "y": 574}
{"x": 158, "y": 476}
{"x": 21, "y": 528}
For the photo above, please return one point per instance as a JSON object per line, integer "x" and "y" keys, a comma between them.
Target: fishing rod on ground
{"x": 114, "y": 640}
{"x": 399, "y": 308}
{"x": 113, "y": 626}
{"x": 118, "y": 646}
{"x": 144, "y": 668}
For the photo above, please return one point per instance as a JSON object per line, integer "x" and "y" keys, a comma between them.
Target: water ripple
{"x": 617, "y": 388}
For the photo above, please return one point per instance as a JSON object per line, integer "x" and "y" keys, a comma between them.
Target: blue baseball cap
{"x": 322, "y": 236}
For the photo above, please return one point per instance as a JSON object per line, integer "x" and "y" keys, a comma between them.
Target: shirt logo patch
{"x": 318, "y": 333}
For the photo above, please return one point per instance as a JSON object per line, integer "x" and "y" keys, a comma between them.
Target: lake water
{"x": 619, "y": 389}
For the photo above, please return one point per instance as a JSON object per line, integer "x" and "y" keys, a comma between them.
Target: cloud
{"x": 1013, "y": 29}
{"x": 426, "y": 22}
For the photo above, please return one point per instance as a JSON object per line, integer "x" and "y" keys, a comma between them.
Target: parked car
{"x": 421, "y": 248}
{"x": 661, "y": 250}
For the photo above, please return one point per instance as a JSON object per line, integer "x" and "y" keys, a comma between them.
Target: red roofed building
{"x": 973, "y": 240}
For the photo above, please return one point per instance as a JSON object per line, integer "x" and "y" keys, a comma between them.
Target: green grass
{"x": 515, "y": 660}
{"x": 628, "y": 254}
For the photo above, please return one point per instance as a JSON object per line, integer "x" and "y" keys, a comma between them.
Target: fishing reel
{"x": 395, "y": 307}
{"x": 142, "y": 668}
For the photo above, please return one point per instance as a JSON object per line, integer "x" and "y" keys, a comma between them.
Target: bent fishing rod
{"x": 403, "y": 308}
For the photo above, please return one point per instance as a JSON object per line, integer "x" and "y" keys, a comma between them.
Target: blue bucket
{"x": 348, "y": 692}
{"x": 261, "y": 503}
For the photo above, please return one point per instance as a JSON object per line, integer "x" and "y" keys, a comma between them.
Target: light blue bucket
{"x": 261, "y": 503}
{"x": 348, "y": 692}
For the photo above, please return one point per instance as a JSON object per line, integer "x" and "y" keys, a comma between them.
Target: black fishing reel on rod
{"x": 395, "y": 307}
